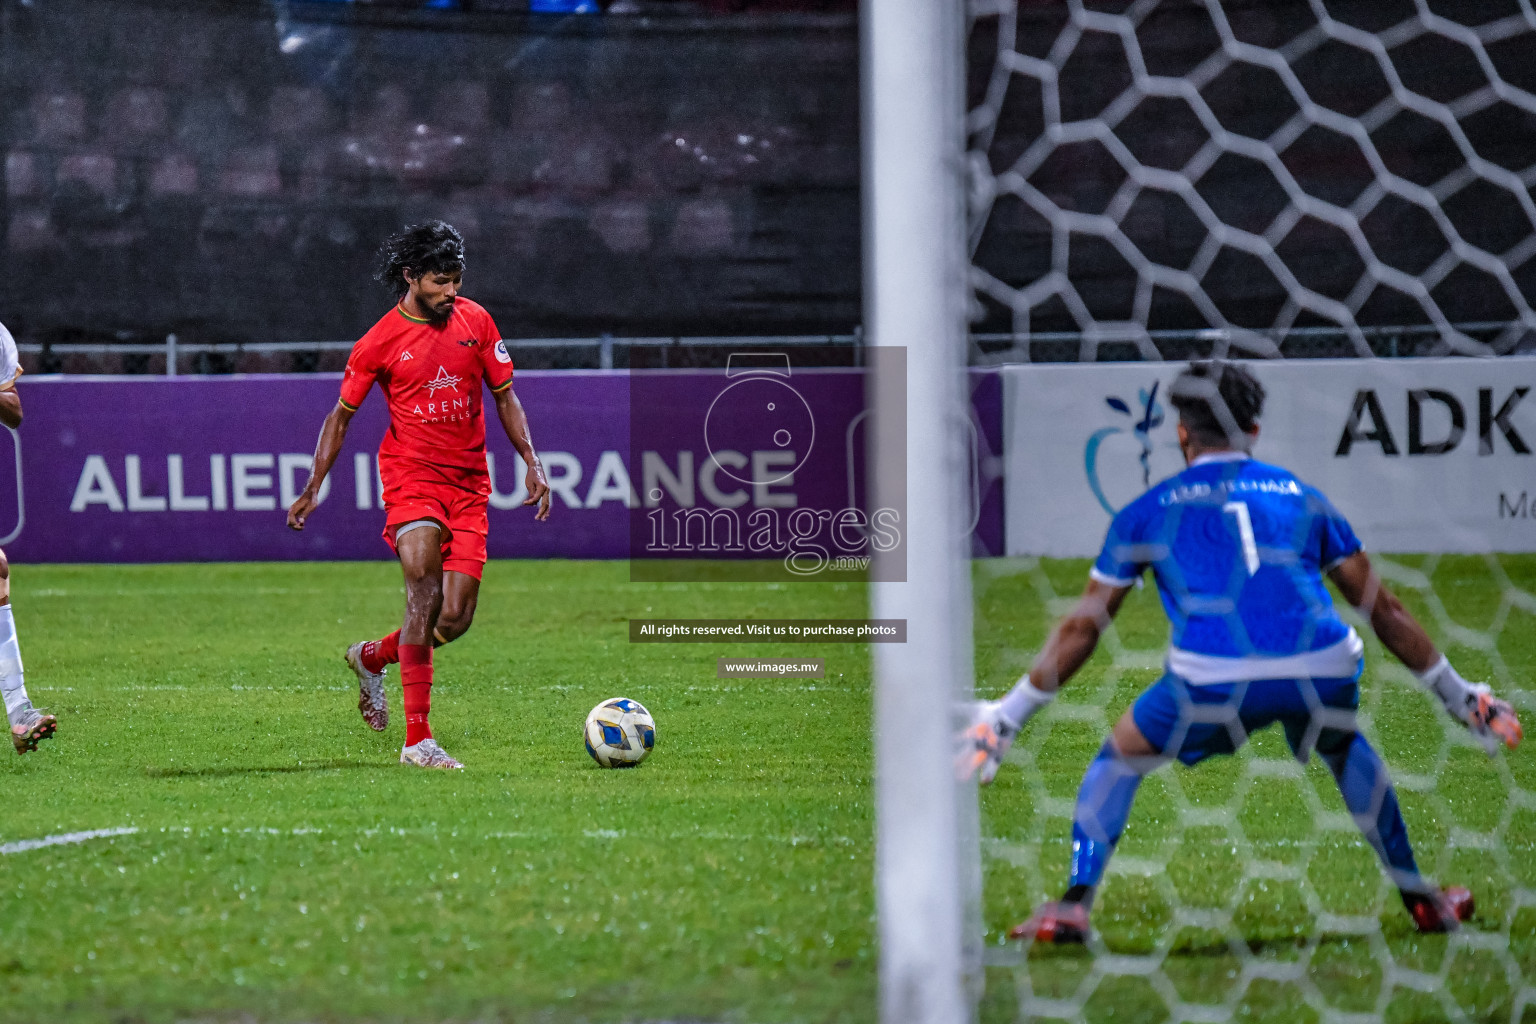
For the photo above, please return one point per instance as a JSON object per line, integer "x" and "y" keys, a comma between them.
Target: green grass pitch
{"x": 1241, "y": 890}
{"x": 284, "y": 866}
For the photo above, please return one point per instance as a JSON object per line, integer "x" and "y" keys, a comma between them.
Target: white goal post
{"x": 915, "y": 274}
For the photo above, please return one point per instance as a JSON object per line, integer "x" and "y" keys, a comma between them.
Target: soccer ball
{"x": 619, "y": 733}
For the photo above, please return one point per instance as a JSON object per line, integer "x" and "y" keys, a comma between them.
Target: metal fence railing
{"x": 1132, "y": 343}
{"x": 172, "y": 357}
{"x": 180, "y": 358}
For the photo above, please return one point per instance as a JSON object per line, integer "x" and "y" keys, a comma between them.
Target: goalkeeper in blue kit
{"x": 1239, "y": 550}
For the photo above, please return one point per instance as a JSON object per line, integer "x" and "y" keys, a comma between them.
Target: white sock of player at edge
{"x": 12, "y": 685}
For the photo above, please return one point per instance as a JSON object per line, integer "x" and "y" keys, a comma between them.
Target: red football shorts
{"x": 454, "y": 497}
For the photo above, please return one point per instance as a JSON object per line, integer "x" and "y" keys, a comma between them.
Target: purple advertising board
{"x": 203, "y": 468}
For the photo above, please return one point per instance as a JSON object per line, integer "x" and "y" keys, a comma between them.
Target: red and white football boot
{"x": 1061, "y": 922}
{"x": 1441, "y": 911}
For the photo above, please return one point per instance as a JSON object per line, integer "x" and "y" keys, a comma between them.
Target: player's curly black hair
{"x": 428, "y": 248}
{"x": 1218, "y": 402}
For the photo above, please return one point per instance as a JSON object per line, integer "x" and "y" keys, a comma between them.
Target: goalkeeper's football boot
{"x": 427, "y": 754}
{"x": 1441, "y": 910}
{"x": 1061, "y": 923}
{"x": 984, "y": 743}
{"x": 26, "y": 734}
{"x": 371, "y": 701}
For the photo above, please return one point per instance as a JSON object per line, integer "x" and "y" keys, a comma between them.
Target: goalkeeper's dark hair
{"x": 433, "y": 247}
{"x": 1218, "y": 402}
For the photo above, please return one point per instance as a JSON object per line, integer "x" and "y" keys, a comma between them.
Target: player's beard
{"x": 440, "y": 314}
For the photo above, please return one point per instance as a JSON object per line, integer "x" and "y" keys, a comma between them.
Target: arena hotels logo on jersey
{"x": 444, "y": 379}
{"x": 446, "y": 410}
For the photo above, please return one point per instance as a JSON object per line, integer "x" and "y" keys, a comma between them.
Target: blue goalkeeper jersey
{"x": 1239, "y": 549}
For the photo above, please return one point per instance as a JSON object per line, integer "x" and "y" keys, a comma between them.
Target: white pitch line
{"x": 23, "y": 845}
{"x": 63, "y": 839}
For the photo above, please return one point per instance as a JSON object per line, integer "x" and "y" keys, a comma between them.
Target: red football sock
{"x": 416, "y": 681}
{"x": 378, "y": 653}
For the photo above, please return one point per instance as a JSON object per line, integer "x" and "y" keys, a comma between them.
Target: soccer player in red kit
{"x": 429, "y": 356}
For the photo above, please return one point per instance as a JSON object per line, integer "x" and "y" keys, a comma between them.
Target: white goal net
{"x": 1176, "y": 179}
{"x": 1264, "y": 172}
{"x": 1242, "y": 889}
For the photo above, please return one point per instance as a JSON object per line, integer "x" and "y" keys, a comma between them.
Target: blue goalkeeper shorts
{"x": 1193, "y": 722}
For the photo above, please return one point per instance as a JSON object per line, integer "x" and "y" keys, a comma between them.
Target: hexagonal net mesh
{"x": 1242, "y": 888}
{"x": 1168, "y": 179}
{"x": 1261, "y": 177}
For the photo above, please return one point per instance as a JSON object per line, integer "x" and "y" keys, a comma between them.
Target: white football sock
{"x": 11, "y": 684}
{"x": 1023, "y": 701}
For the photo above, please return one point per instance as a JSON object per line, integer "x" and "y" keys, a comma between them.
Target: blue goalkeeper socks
{"x": 1109, "y": 788}
{"x": 1369, "y": 795}
{"x": 1103, "y": 806}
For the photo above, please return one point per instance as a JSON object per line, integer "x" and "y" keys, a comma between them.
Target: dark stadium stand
{"x": 225, "y": 172}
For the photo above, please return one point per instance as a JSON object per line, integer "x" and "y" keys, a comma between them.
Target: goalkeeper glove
{"x": 983, "y": 744}
{"x": 1489, "y": 719}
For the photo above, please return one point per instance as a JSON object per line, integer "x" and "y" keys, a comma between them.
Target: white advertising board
{"x": 1422, "y": 455}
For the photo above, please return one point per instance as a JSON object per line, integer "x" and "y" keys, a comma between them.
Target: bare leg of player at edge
{"x": 1194, "y": 718}
{"x": 29, "y": 726}
{"x": 439, "y": 608}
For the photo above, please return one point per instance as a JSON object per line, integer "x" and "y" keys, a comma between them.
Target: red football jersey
{"x": 431, "y": 376}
